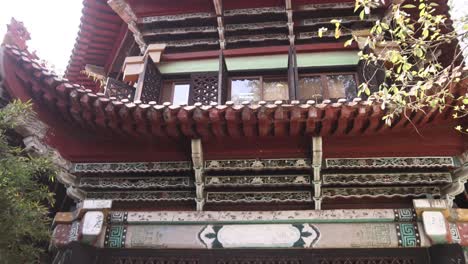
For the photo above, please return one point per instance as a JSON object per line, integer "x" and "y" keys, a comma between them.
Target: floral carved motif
{"x": 128, "y": 183}
{"x": 386, "y": 178}
{"x": 416, "y": 162}
{"x": 258, "y": 197}
{"x": 423, "y": 191}
{"x": 257, "y": 164}
{"x": 257, "y": 180}
{"x": 131, "y": 167}
{"x": 143, "y": 196}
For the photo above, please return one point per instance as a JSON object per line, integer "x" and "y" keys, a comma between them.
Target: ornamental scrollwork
{"x": 254, "y": 11}
{"x": 258, "y": 197}
{"x": 180, "y": 17}
{"x": 386, "y": 178}
{"x": 131, "y": 167}
{"x": 142, "y": 196}
{"x": 129, "y": 183}
{"x": 257, "y": 164}
{"x": 396, "y": 162}
{"x": 258, "y": 180}
{"x": 387, "y": 192}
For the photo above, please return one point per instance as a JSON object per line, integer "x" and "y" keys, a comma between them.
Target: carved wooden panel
{"x": 204, "y": 88}
{"x": 119, "y": 90}
{"x": 152, "y": 83}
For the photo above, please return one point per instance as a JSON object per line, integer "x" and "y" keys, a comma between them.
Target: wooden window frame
{"x": 261, "y": 78}
{"x": 170, "y": 86}
{"x": 323, "y": 78}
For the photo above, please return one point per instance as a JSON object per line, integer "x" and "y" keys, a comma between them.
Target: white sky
{"x": 53, "y": 25}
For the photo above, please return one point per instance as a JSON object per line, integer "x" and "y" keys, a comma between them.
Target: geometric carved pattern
{"x": 257, "y": 164}
{"x": 386, "y": 178}
{"x": 416, "y": 162}
{"x": 117, "y": 217}
{"x": 152, "y": 83}
{"x": 115, "y": 236}
{"x": 204, "y": 88}
{"x": 119, "y": 90}
{"x": 408, "y": 235}
{"x": 405, "y": 215}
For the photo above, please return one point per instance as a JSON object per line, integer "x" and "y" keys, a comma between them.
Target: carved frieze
{"x": 256, "y": 38}
{"x": 143, "y": 196}
{"x": 257, "y": 164}
{"x": 258, "y": 180}
{"x": 191, "y": 42}
{"x": 344, "y": 20}
{"x": 258, "y": 197}
{"x": 386, "y": 178}
{"x": 178, "y": 31}
{"x": 131, "y": 167}
{"x": 256, "y": 26}
{"x": 395, "y": 162}
{"x": 328, "y": 6}
{"x": 388, "y": 192}
{"x": 134, "y": 182}
{"x": 178, "y": 17}
{"x": 255, "y": 11}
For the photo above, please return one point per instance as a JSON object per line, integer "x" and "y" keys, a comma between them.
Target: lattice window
{"x": 153, "y": 260}
{"x": 204, "y": 88}
{"x": 152, "y": 83}
{"x": 119, "y": 90}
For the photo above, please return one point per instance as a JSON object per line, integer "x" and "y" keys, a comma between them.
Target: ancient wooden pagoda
{"x": 228, "y": 132}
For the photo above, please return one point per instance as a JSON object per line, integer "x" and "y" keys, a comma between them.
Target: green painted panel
{"x": 189, "y": 66}
{"x": 257, "y": 62}
{"x": 335, "y": 58}
{"x": 316, "y": 59}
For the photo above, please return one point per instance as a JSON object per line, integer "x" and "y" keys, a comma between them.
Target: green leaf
{"x": 408, "y": 6}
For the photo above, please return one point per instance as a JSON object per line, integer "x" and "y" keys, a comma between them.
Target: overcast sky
{"x": 53, "y": 25}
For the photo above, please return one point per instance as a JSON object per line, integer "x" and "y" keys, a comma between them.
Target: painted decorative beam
{"x": 259, "y": 197}
{"x": 381, "y": 192}
{"x": 124, "y": 10}
{"x": 257, "y": 180}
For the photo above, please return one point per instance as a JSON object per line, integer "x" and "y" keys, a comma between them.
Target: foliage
{"x": 422, "y": 53}
{"x": 24, "y": 221}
